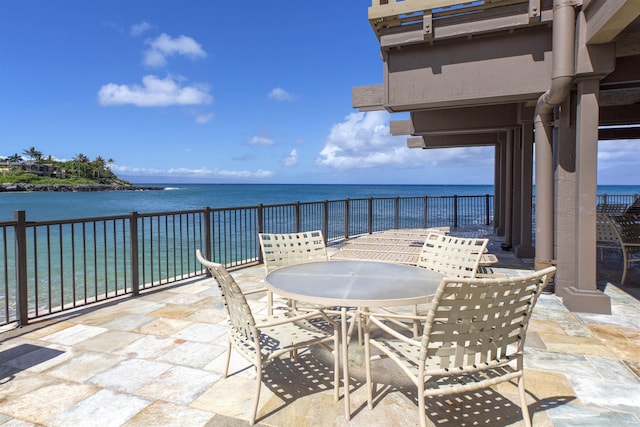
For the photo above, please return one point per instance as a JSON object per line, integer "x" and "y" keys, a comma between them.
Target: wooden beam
{"x": 400, "y": 127}
{"x": 607, "y": 18}
{"x": 618, "y": 133}
{"x": 368, "y": 98}
{"x": 619, "y": 115}
{"x": 486, "y": 118}
{"x": 454, "y": 141}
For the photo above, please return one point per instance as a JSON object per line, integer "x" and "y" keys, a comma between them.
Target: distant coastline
{"x": 66, "y": 188}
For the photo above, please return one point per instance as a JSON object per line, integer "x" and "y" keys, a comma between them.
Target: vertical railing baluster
{"x": 133, "y": 252}
{"x": 486, "y": 209}
{"x": 347, "y": 218}
{"x": 455, "y": 210}
{"x": 207, "y": 232}
{"x": 370, "y": 215}
{"x": 21, "y": 266}
{"x": 424, "y": 211}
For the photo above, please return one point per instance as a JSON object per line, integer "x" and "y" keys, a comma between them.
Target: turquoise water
{"x": 44, "y": 206}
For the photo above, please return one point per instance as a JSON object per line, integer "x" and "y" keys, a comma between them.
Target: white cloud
{"x": 363, "y": 141}
{"x": 280, "y": 94}
{"x": 202, "y": 119}
{"x": 154, "y": 92}
{"x": 192, "y": 172}
{"x": 140, "y": 28}
{"x": 261, "y": 140}
{"x": 292, "y": 159}
{"x": 621, "y": 151}
{"x": 165, "y": 46}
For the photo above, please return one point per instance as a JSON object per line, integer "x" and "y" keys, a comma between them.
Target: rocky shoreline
{"x": 62, "y": 188}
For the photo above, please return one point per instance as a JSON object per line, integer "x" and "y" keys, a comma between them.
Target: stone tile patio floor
{"x": 157, "y": 360}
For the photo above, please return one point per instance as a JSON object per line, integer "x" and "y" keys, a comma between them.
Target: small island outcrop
{"x": 79, "y": 174}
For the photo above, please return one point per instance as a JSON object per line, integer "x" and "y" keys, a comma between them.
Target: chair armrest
{"x": 377, "y": 320}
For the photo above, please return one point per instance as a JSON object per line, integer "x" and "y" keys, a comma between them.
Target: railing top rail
{"x": 169, "y": 213}
{"x": 41, "y": 223}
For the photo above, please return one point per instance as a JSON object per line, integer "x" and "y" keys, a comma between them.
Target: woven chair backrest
{"x": 282, "y": 249}
{"x": 611, "y": 208}
{"x": 241, "y": 319}
{"x": 634, "y": 208}
{"x": 628, "y": 228}
{"x": 480, "y": 323}
{"x": 452, "y": 256}
{"x": 605, "y": 229}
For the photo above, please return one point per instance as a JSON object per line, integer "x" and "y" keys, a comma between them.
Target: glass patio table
{"x": 353, "y": 284}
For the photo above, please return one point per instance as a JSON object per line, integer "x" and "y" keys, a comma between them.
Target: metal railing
{"x": 47, "y": 267}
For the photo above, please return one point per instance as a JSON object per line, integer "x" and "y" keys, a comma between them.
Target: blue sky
{"x": 220, "y": 92}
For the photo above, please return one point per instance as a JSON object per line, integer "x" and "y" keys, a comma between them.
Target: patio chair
{"x": 634, "y": 208}
{"x": 262, "y": 339}
{"x": 627, "y": 229}
{"x": 473, "y": 338}
{"x": 282, "y": 249}
{"x": 606, "y": 234}
{"x": 453, "y": 257}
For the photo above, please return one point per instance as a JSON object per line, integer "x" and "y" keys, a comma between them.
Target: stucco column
{"x": 584, "y": 295}
{"x": 525, "y": 248}
{"x": 497, "y": 189}
{"x": 516, "y": 206}
{"x": 508, "y": 190}
{"x": 564, "y": 156}
{"x": 544, "y": 195}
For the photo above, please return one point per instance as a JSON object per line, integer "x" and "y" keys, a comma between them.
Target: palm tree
{"x": 33, "y": 154}
{"x": 15, "y": 158}
{"x": 98, "y": 166}
{"x": 80, "y": 163}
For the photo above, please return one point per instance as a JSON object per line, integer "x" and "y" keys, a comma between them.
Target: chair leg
{"x": 523, "y": 402}
{"x": 336, "y": 365}
{"x": 625, "y": 267}
{"x": 367, "y": 364}
{"x": 417, "y": 326}
{"x": 421, "y": 404}
{"x": 256, "y": 399}
{"x": 226, "y": 364}
{"x": 269, "y": 303}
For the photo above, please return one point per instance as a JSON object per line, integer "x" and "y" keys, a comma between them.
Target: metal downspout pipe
{"x": 563, "y": 71}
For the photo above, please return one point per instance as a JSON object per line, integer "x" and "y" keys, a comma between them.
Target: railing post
{"x": 455, "y": 210}
{"x": 370, "y": 214}
{"x": 426, "y": 211}
{"x": 207, "y": 231}
{"x": 260, "y": 230}
{"x": 346, "y": 218}
{"x": 486, "y": 209}
{"x": 396, "y": 212}
{"x": 297, "y": 216}
{"x": 133, "y": 250}
{"x": 325, "y": 220}
{"x": 20, "y": 238}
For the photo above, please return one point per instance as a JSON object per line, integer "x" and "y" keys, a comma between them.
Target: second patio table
{"x": 353, "y": 284}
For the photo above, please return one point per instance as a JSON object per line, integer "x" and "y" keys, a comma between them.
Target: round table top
{"x": 355, "y": 283}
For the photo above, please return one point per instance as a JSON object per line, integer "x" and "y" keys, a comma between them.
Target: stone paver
{"x": 158, "y": 359}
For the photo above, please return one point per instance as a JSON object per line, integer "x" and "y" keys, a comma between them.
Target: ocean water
{"x": 49, "y": 206}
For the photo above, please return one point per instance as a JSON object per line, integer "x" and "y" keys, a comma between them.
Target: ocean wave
{"x": 172, "y": 188}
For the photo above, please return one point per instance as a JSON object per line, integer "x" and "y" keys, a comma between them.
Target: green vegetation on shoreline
{"x": 39, "y": 170}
